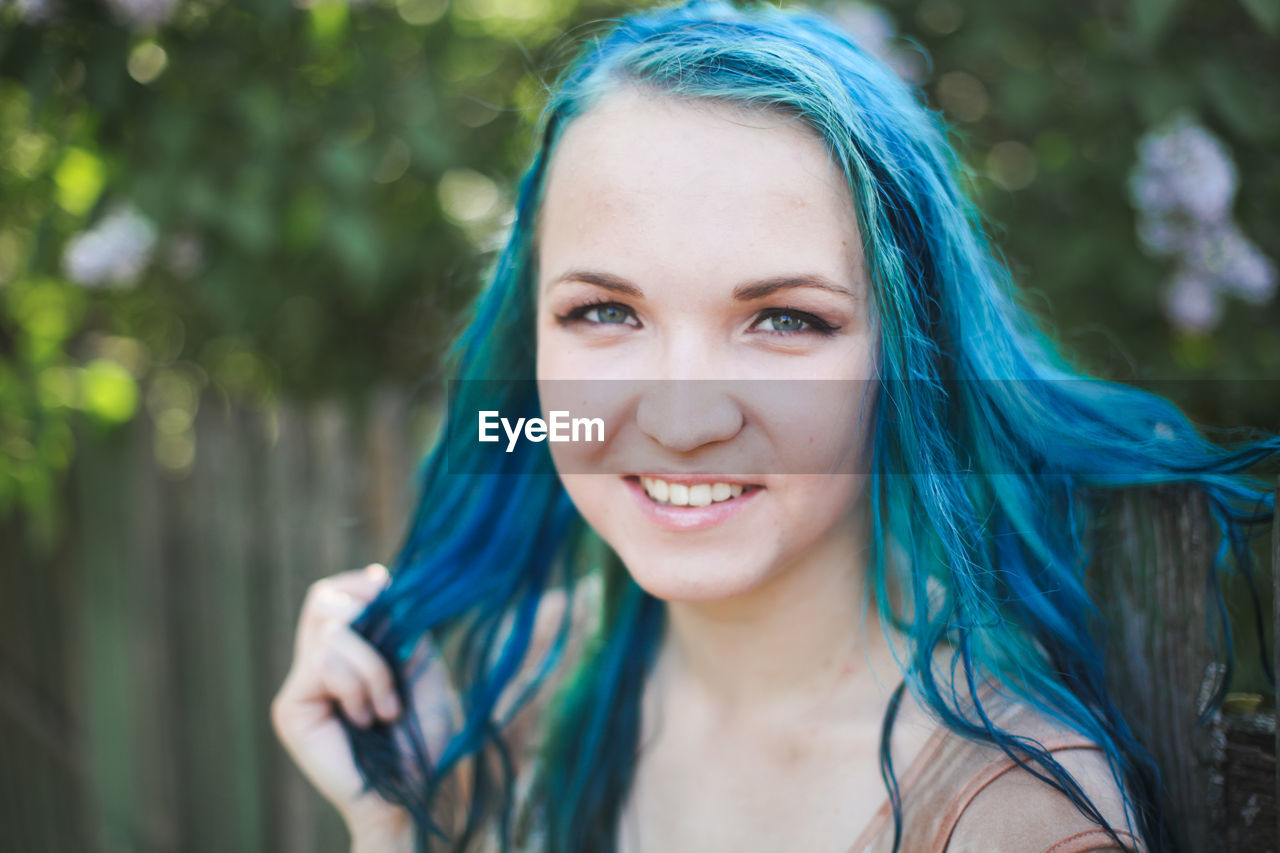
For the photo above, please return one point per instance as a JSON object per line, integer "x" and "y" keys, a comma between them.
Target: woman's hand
{"x": 331, "y": 663}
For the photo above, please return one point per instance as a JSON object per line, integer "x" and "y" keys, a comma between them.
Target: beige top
{"x": 959, "y": 796}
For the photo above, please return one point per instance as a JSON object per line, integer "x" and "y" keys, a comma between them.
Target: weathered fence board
{"x": 40, "y": 748}
{"x": 1149, "y": 577}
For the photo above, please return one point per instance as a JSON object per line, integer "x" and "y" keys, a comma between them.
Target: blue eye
{"x": 783, "y": 321}
{"x": 600, "y": 314}
{"x": 607, "y": 314}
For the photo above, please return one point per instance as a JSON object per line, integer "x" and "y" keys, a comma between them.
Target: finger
{"x": 333, "y": 602}
{"x": 365, "y": 583}
{"x": 341, "y": 682}
{"x": 362, "y": 585}
{"x": 372, "y": 669}
{"x": 327, "y": 604}
{"x": 378, "y": 573}
{"x": 325, "y": 607}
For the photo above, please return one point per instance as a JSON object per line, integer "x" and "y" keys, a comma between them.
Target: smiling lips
{"x": 689, "y": 494}
{"x": 686, "y": 502}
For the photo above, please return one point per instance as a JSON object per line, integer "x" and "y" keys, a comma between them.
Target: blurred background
{"x": 237, "y": 237}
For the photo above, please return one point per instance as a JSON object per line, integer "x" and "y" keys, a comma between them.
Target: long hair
{"x": 989, "y": 451}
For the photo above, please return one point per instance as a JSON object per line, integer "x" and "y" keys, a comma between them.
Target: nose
{"x": 684, "y": 414}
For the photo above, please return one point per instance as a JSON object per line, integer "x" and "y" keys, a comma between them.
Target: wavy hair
{"x": 989, "y": 451}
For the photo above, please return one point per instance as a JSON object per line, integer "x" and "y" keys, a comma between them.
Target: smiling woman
{"x": 723, "y": 243}
{"x": 820, "y": 586}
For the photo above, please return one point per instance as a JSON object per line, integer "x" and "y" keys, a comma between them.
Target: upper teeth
{"x": 678, "y": 494}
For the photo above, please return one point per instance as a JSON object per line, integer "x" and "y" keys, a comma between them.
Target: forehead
{"x": 671, "y": 187}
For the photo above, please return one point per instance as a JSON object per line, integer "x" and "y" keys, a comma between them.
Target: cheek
{"x": 593, "y": 496}
{"x": 565, "y": 353}
{"x": 598, "y": 412}
{"x": 818, "y": 506}
{"x": 547, "y": 354}
{"x": 816, "y": 426}
{"x": 554, "y": 352}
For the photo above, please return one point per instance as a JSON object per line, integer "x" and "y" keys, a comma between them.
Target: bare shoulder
{"x": 1006, "y": 808}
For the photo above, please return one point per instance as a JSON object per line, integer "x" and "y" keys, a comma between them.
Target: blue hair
{"x": 990, "y": 454}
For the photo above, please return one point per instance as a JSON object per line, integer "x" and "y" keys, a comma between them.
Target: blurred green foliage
{"x": 1075, "y": 85}
{"x": 326, "y": 179}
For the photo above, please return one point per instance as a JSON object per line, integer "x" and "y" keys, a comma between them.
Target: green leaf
{"x": 108, "y": 391}
{"x": 1266, "y": 13}
{"x": 356, "y": 245}
{"x": 304, "y": 219}
{"x": 47, "y": 312}
{"x": 1235, "y": 96}
{"x": 345, "y": 168}
{"x": 1151, "y": 18}
{"x": 79, "y": 177}
{"x": 328, "y": 20}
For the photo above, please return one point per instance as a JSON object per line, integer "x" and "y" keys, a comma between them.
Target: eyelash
{"x": 578, "y": 313}
{"x": 815, "y": 325}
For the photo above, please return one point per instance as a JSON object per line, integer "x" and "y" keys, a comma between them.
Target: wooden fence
{"x": 137, "y": 664}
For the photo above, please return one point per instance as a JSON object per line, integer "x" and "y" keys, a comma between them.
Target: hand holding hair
{"x": 333, "y": 667}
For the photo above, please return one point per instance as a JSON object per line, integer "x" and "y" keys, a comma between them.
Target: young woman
{"x": 666, "y": 644}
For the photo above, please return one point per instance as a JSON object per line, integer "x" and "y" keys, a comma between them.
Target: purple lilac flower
{"x": 1182, "y": 187}
{"x": 1192, "y": 303}
{"x": 1183, "y": 170}
{"x": 1222, "y": 253}
{"x": 114, "y": 252}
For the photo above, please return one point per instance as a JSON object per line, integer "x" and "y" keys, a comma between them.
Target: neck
{"x": 795, "y": 645}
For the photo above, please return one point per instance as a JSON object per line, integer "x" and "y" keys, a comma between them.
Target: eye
{"x": 607, "y": 314}
{"x": 600, "y": 314}
{"x": 784, "y": 321}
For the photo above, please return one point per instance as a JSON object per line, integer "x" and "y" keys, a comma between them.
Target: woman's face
{"x": 706, "y": 262}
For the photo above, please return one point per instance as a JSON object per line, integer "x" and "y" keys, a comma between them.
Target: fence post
{"x": 1148, "y": 577}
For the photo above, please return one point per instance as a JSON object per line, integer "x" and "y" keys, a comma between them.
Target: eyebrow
{"x": 745, "y": 292}
{"x": 758, "y": 289}
{"x": 599, "y": 279}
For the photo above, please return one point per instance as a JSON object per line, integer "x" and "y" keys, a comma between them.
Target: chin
{"x": 690, "y": 578}
{"x": 727, "y": 550}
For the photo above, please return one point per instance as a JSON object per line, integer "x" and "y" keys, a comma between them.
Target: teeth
{"x": 678, "y": 494}
{"x": 660, "y": 490}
